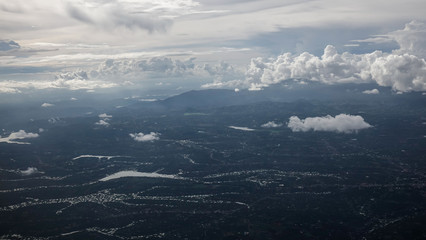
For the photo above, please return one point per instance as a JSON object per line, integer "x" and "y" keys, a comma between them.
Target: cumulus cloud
{"x": 411, "y": 39}
{"x": 401, "y": 72}
{"x": 271, "y": 124}
{"x": 102, "y": 122}
{"x": 29, "y": 171}
{"x": 123, "y": 72}
{"x": 403, "y": 69}
{"x": 372, "y": 91}
{"x": 341, "y": 123}
{"x": 104, "y": 118}
{"x": 45, "y": 105}
{"x": 140, "y": 137}
{"x": 21, "y": 134}
{"x": 162, "y": 67}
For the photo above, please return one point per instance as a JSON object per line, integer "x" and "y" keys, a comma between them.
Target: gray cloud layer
{"x": 113, "y": 15}
{"x": 6, "y": 45}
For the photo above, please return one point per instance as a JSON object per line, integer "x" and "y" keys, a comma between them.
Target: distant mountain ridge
{"x": 216, "y": 98}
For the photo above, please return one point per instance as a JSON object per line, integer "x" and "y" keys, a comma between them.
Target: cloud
{"x": 103, "y": 122}
{"x": 114, "y": 15}
{"x": 104, "y": 119}
{"x": 7, "y": 45}
{"x": 124, "y": 174}
{"x": 341, "y": 123}
{"x": 122, "y": 72}
{"x": 401, "y": 72}
{"x": 403, "y": 69}
{"x": 140, "y": 137}
{"x": 242, "y": 128}
{"x": 76, "y": 13}
{"x": 411, "y": 39}
{"x": 162, "y": 67}
{"x": 29, "y": 171}
{"x": 54, "y": 120}
{"x": 271, "y": 124}
{"x": 45, "y": 105}
{"x": 77, "y": 75}
{"x": 372, "y": 91}
{"x": 8, "y": 89}
{"x": 62, "y": 81}
{"x": 21, "y": 134}
{"x": 104, "y": 115}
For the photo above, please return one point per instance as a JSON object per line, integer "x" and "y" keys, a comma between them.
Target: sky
{"x": 246, "y": 44}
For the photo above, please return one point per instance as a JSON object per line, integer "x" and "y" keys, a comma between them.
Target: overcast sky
{"x": 234, "y": 43}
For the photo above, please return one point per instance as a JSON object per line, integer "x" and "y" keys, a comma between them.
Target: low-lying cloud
{"x": 29, "y": 171}
{"x": 271, "y": 124}
{"x": 141, "y": 137}
{"x": 104, "y": 115}
{"x": 14, "y": 87}
{"x": 21, "y": 134}
{"x": 242, "y": 128}
{"x": 46, "y": 105}
{"x": 372, "y": 91}
{"x": 104, "y": 120}
{"x": 342, "y": 123}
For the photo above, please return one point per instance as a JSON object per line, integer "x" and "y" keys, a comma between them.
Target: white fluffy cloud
{"x": 403, "y": 69}
{"x": 162, "y": 67}
{"x": 372, "y": 91}
{"x": 271, "y": 124}
{"x": 140, "y": 137}
{"x": 401, "y": 72}
{"x": 121, "y": 72}
{"x": 341, "y": 123}
{"x": 21, "y": 134}
{"x": 102, "y": 122}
